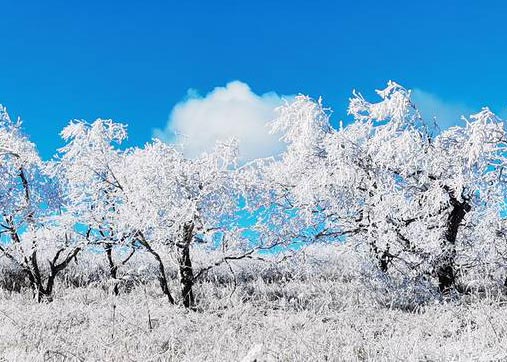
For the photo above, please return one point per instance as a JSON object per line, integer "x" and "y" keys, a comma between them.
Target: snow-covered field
{"x": 309, "y": 309}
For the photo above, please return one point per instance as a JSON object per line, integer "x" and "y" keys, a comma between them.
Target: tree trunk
{"x": 162, "y": 278}
{"x": 446, "y": 272}
{"x": 113, "y": 269}
{"x": 384, "y": 260}
{"x": 41, "y": 292}
{"x": 186, "y": 270}
{"x": 187, "y": 277}
{"x": 46, "y": 293}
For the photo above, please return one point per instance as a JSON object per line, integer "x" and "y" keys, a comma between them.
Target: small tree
{"x": 88, "y": 167}
{"x": 173, "y": 201}
{"x": 35, "y": 232}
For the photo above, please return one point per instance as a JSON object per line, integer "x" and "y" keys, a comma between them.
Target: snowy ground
{"x": 326, "y": 317}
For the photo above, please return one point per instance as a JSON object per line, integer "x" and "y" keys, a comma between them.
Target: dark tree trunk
{"x": 45, "y": 292}
{"x": 162, "y": 277}
{"x": 50, "y": 283}
{"x": 446, "y": 272}
{"x": 113, "y": 269}
{"x": 187, "y": 278}
{"x": 186, "y": 270}
{"x": 41, "y": 292}
{"x": 384, "y": 261}
{"x": 383, "y": 257}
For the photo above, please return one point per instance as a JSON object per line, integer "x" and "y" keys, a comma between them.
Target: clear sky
{"x": 134, "y": 61}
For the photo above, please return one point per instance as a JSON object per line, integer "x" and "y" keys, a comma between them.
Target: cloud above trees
{"x": 198, "y": 122}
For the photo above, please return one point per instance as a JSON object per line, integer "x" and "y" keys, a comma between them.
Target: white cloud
{"x": 225, "y": 112}
{"x": 446, "y": 114}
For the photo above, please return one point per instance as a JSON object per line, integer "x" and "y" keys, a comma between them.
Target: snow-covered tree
{"x": 173, "y": 201}
{"x": 410, "y": 198}
{"x": 88, "y": 167}
{"x": 35, "y": 232}
{"x": 431, "y": 190}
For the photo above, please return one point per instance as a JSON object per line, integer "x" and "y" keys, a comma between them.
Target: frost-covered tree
{"x": 174, "y": 202}
{"x": 431, "y": 191}
{"x": 408, "y": 197}
{"x": 88, "y": 167}
{"x": 35, "y": 232}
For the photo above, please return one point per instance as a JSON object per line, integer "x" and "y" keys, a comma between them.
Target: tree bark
{"x": 446, "y": 272}
{"x": 45, "y": 292}
{"x": 384, "y": 260}
{"x": 113, "y": 269}
{"x": 162, "y": 278}
{"x": 185, "y": 264}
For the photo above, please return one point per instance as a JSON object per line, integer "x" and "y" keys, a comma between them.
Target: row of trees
{"x": 420, "y": 205}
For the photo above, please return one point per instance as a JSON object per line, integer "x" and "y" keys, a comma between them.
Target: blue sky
{"x": 134, "y": 61}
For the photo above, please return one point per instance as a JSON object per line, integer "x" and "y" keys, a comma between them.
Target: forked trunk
{"x": 41, "y": 292}
{"x": 44, "y": 292}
